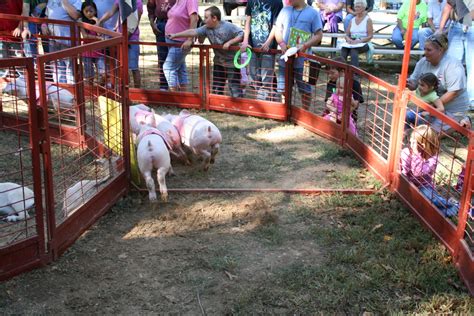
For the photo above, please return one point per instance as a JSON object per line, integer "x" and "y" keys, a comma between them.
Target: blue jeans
{"x": 261, "y": 71}
{"x": 461, "y": 47}
{"x": 397, "y": 38}
{"x": 220, "y": 75}
{"x": 162, "y": 52}
{"x": 303, "y": 87}
{"x": 62, "y": 67}
{"x": 413, "y": 118}
{"x": 423, "y": 34}
{"x": 447, "y": 207}
{"x": 347, "y": 21}
{"x": 175, "y": 66}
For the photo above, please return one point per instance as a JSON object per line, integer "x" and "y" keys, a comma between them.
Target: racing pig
{"x": 153, "y": 152}
{"x": 200, "y": 135}
{"x": 139, "y": 115}
{"x": 165, "y": 126}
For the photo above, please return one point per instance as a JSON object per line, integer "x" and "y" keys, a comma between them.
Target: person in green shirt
{"x": 421, "y": 16}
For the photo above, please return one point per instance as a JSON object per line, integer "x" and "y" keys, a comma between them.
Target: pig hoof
{"x": 152, "y": 197}
{"x": 164, "y": 197}
{"x": 212, "y": 161}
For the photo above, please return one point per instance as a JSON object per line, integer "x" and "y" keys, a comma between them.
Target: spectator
{"x": 418, "y": 164}
{"x": 435, "y": 9}
{"x": 65, "y": 10}
{"x": 29, "y": 31}
{"x": 9, "y": 45}
{"x": 461, "y": 39}
{"x": 103, "y": 6}
{"x": 94, "y": 58}
{"x": 331, "y": 14}
{"x": 426, "y": 91}
{"x": 182, "y": 16}
{"x": 351, "y": 12}
{"x": 334, "y": 72}
{"x": 358, "y": 34}
{"x": 230, "y": 5}
{"x": 335, "y": 106}
{"x": 133, "y": 49}
{"x": 398, "y": 36}
{"x": 261, "y": 15}
{"x": 220, "y": 33}
{"x": 305, "y": 18}
{"x": 452, "y": 79}
{"x": 158, "y": 16}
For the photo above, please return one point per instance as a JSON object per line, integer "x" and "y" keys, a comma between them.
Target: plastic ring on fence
{"x": 247, "y": 61}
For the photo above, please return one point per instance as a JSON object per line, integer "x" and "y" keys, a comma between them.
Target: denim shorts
{"x": 133, "y": 54}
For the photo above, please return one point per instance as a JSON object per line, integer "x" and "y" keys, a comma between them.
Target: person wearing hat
{"x": 450, "y": 73}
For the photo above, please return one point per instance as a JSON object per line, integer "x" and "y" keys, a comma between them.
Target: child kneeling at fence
{"x": 418, "y": 163}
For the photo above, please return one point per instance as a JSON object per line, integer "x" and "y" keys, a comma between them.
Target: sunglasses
{"x": 435, "y": 39}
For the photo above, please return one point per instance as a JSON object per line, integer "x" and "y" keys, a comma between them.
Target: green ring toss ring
{"x": 236, "y": 58}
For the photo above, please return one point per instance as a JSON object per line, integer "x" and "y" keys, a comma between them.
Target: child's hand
{"x": 96, "y": 20}
{"x": 265, "y": 47}
{"x": 243, "y": 46}
{"x": 226, "y": 46}
{"x": 425, "y": 114}
{"x": 187, "y": 44}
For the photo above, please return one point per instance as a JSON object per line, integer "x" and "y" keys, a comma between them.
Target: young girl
{"x": 426, "y": 91}
{"x": 91, "y": 59}
{"x": 418, "y": 163}
{"x": 334, "y": 104}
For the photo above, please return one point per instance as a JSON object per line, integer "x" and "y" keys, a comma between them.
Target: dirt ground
{"x": 199, "y": 252}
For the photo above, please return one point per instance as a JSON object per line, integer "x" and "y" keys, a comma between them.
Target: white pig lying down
{"x": 201, "y": 136}
{"x": 153, "y": 153}
{"x": 82, "y": 191}
{"x": 139, "y": 115}
{"x": 15, "y": 201}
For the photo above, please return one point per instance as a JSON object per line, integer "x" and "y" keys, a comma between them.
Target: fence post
{"x": 34, "y": 118}
{"x": 288, "y": 92}
{"x": 465, "y": 199}
{"x": 347, "y": 102}
{"x": 208, "y": 78}
{"x": 396, "y": 136}
{"x": 45, "y": 150}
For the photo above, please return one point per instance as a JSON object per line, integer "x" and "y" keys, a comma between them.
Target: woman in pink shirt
{"x": 182, "y": 16}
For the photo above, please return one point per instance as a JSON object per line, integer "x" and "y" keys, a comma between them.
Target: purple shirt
{"x": 333, "y": 3}
{"x": 418, "y": 170}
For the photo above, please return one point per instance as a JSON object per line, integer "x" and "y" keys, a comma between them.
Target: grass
{"x": 378, "y": 260}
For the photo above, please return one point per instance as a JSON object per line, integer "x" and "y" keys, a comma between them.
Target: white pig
{"x": 139, "y": 115}
{"x": 165, "y": 126}
{"x": 15, "y": 201}
{"x": 153, "y": 152}
{"x": 60, "y": 97}
{"x": 17, "y": 87}
{"x": 200, "y": 135}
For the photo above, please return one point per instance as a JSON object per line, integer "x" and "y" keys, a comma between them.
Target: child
{"x": 334, "y": 73}
{"x": 334, "y": 97}
{"x": 426, "y": 91}
{"x": 418, "y": 163}
{"x": 219, "y": 33}
{"x": 91, "y": 59}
